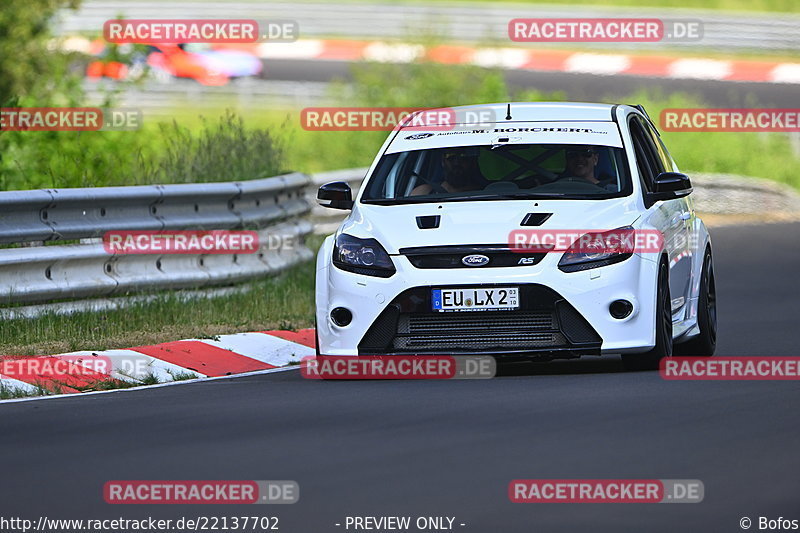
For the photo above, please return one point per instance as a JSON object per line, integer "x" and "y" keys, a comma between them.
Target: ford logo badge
{"x": 475, "y": 260}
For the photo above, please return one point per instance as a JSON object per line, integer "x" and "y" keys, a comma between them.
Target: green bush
{"x": 29, "y": 69}
{"x": 222, "y": 150}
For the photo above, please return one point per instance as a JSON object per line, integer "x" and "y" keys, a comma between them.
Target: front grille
{"x": 486, "y": 342}
{"x": 499, "y": 255}
{"x": 469, "y": 322}
{"x": 545, "y": 321}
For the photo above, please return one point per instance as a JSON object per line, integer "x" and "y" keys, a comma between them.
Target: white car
{"x": 427, "y": 262}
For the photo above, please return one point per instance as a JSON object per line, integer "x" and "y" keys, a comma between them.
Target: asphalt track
{"x": 450, "y": 448}
{"x": 577, "y": 87}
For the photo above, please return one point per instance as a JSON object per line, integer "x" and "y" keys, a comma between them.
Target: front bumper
{"x": 561, "y": 314}
{"x": 544, "y": 322}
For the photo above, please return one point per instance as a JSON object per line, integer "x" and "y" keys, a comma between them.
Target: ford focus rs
{"x": 552, "y": 231}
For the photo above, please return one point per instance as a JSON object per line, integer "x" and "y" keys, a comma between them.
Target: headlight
{"x": 597, "y": 249}
{"x": 362, "y": 256}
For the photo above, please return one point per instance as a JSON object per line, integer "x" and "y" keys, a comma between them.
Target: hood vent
{"x": 428, "y": 221}
{"x": 534, "y": 219}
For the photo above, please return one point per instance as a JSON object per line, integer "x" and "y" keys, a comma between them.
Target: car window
{"x": 647, "y": 162}
{"x": 650, "y": 147}
{"x": 667, "y": 164}
{"x": 499, "y": 172}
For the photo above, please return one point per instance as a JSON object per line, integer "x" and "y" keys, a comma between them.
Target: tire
{"x": 704, "y": 344}
{"x": 663, "y": 347}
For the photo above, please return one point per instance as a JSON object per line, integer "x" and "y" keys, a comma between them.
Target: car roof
{"x": 530, "y": 123}
{"x": 539, "y": 111}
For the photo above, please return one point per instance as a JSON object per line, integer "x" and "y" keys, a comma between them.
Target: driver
{"x": 461, "y": 173}
{"x": 582, "y": 164}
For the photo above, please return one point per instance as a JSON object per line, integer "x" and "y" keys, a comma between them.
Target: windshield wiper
{"x": 508, "y": 196}
{"x": 479, "y": 197}
{"x": 395, "y": 201}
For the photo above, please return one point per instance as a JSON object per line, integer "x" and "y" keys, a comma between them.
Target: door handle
{"x": 686, "y": 215}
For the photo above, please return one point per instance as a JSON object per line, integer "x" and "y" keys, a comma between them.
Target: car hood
{"x": 482, "y": 222}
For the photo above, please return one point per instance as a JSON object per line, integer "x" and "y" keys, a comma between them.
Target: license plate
{"x": 494, "y": 299}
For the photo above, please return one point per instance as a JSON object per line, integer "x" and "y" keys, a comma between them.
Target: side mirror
{"x": 336, "y": 195}
{"x": 668, "y": 186}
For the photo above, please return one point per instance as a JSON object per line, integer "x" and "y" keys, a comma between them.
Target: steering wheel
{"x": 421, "y": 180}
{"x": 528, "y": 182}
{"x": 500, "y": 186}
{"x": 576, "y": 179}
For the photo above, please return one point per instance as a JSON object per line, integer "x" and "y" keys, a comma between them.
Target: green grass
{"x": 8, "y": 392}
{"x": 182, "y": 376}
{"x": 305, "y": 151}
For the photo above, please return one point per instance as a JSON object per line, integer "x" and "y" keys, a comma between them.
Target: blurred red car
{"x": 199, "y": 62}
{"x": 176, "y": 61}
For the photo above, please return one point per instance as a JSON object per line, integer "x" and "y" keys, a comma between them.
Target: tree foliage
{"x": 33, "y": 70}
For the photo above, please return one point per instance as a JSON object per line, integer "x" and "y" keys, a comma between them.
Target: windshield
{"x": 502, "y": 171}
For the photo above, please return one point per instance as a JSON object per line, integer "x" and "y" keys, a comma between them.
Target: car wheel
{"x": 663, "y": 347}
{"x": 704, "y": 344}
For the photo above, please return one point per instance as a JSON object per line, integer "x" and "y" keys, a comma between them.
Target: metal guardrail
{"x": 460, "y": 22}
{"x": 63, "y": 214}
{"x": 36, "y": 272}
